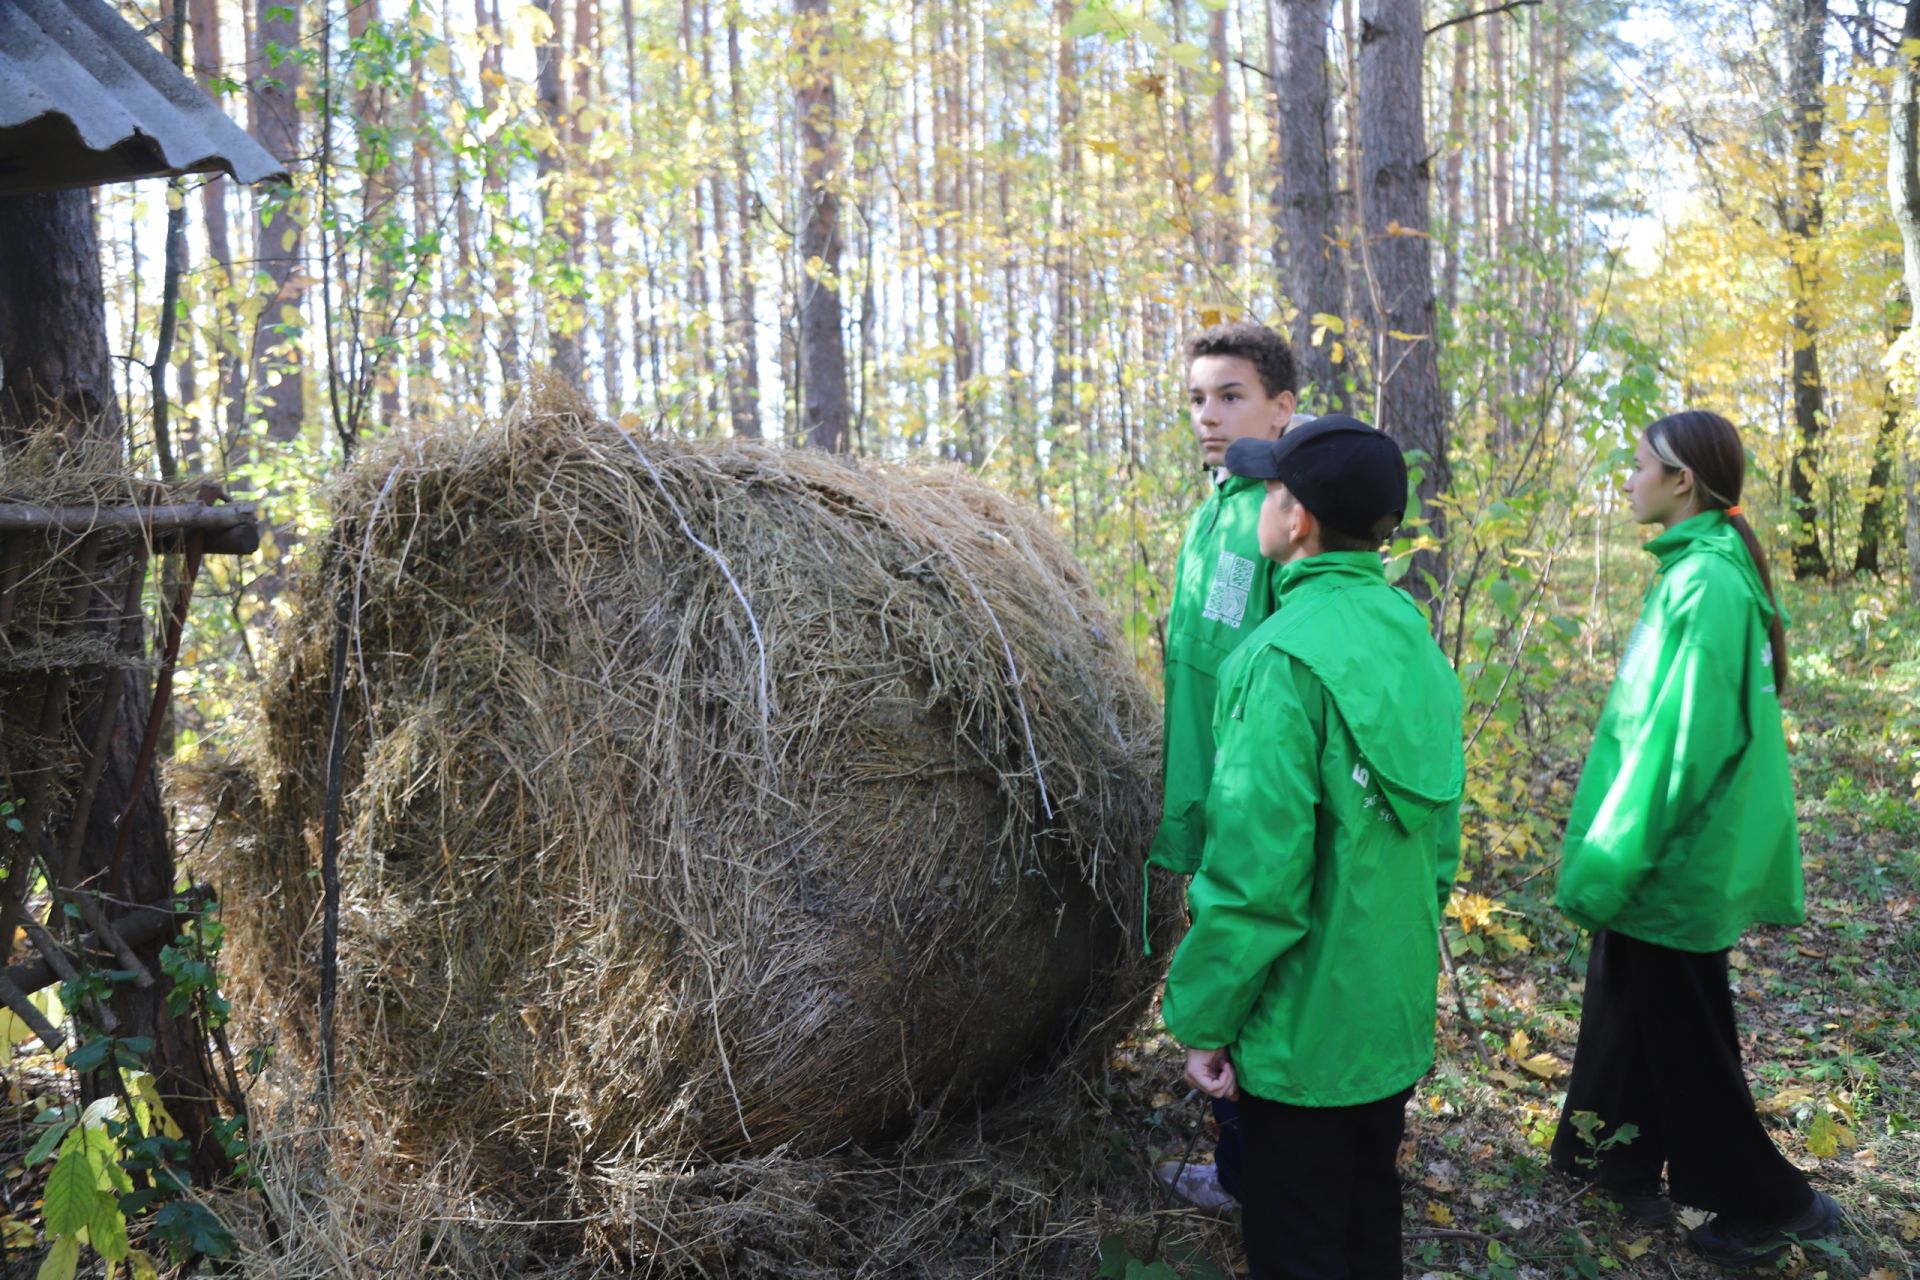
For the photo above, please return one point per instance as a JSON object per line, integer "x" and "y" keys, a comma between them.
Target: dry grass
{"x": 708, "y": 809}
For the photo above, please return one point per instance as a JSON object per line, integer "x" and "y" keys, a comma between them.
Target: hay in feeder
{"x": 700, "y": 800}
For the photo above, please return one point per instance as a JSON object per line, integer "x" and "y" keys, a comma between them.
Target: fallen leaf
{"x": 1638, "y": 1247}
{"x": 1439, "y": 1214}
{"x": 1544, "y": 1065}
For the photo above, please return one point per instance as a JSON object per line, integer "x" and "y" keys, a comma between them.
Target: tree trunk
{"x": 1874, "y": 512}
{"x": 1806, "y": 35}
{"x": 1903, "y": 183}
{"x": 1456, "y": 146}
{"x": 209, "y": 65}
{"x": 1226, "y": 239}
{"x": 1306, "y": 250}
{"x": 556, "y": 231}
{"x": 744, "y": 338}
{"x": 1500, "y": 163}
{"x": 1393, "y": 150}
{"x": 53, "y": 348}
{"x": 825, "y": 413}
{"x": 53, "y": 329}
{"x": 276, "y": 365}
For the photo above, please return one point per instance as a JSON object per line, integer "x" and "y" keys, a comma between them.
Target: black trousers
{"x": 1659, "y": 1050}
{"x": 1321, "y": 1189}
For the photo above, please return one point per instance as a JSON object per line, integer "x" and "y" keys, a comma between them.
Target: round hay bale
{"x": 698, "y": 799}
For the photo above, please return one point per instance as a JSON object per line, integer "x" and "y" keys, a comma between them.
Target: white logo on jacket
{"x": 1227, "y": 596}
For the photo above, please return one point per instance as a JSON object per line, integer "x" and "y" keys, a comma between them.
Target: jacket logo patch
{"x": 1227, "y": 596}
{"x": 1361, "y": 776}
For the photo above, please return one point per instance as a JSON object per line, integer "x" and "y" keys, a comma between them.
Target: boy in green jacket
{"x": 1306, "y": 985}
{"x": 1241, "y": 384}
{"x": 1682, "y": 834}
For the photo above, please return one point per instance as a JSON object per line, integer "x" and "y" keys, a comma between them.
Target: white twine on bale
{"x": 1020, "y": 701}
{"x": 720, "y": 562}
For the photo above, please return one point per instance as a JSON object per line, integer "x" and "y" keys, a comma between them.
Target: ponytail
{"x": 1709, "y": 446}
{"x": 1776, "y": 633}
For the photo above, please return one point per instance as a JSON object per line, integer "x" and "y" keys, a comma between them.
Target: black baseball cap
{"x": 1350, "y": 476}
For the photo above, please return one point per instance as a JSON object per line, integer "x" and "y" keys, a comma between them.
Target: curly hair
{"x": 1265, "y": 348}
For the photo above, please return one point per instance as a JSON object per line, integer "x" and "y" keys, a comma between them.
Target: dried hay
{"x": 702, "y": 801}
{"x": 1031, "y": 1192}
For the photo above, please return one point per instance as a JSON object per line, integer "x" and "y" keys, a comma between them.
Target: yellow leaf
{"x": 1784, "y": 1101}
{"x": 1738, "y": 959}
{"x": 141, "y": 1266}
{"x": 1439, "y": 1214}
{"x": 62, "y": 1260}
{"x": 1825, "y": 1136}
{"x": 1330, "y": 322}
{"x": 1910, "y": 1226}
{"x": 1338, "y": 353}
{"x": 1544, "y": 1065}
{"x": 1638, "y": 1247}
{"x": 529, "y": 26}
{"x": 144, "y": 1089}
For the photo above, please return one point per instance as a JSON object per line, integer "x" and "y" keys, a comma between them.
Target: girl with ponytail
{"x": 1682, "y": 834}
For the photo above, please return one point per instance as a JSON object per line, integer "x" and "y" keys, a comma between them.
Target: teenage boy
{"x": 1306, "y": 984}
{"x": 1241, "y": 382}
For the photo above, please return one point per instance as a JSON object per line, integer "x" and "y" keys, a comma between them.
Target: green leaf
{"x": 62, "y": 1260}
{"x": 1094, "y": 18}
{"x": 1191, "y": 56}
{"x": 48, "y": 1141}
{"x": 71, "y": 1194}
{"x": 194, "y": 1226}
{"x": 107, "y": 1233}
{"x": 90, "y": 1056}
{"x": 1114, "y": 1257}
{"x": 1151, "y": 1271}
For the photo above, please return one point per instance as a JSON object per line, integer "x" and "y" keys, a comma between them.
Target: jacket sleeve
{"x": 1681, "y": 724}
{"x": 1252, "y": 894}
{"x": 1186, "y": 767}
{"x": 1446, "y": 828}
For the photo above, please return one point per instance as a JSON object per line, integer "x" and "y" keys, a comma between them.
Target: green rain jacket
{"x": 1683, "y": 830}
{"x": 1223, "y": 590}
{"x": 1333, "y": 833}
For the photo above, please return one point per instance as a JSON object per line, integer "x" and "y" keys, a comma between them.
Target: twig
{"x": 15, "y": 999}
{"x": 1447, "y": 1233}
{"x": 156, "y": 712}
{"x": 1460, "y": 1001}
{"x": 1481, "y": 13}
{"x": 330, "y": 846}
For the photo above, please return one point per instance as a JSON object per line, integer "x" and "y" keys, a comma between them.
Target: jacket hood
{"x": 1368, "y": 643}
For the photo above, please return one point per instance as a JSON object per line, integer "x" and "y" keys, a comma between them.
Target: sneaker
{"x": 1736, "y": 1245}
{"x": 1197, "y": 1184}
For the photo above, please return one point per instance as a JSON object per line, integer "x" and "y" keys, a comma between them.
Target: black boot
{"x": 1739, "y": 1245}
